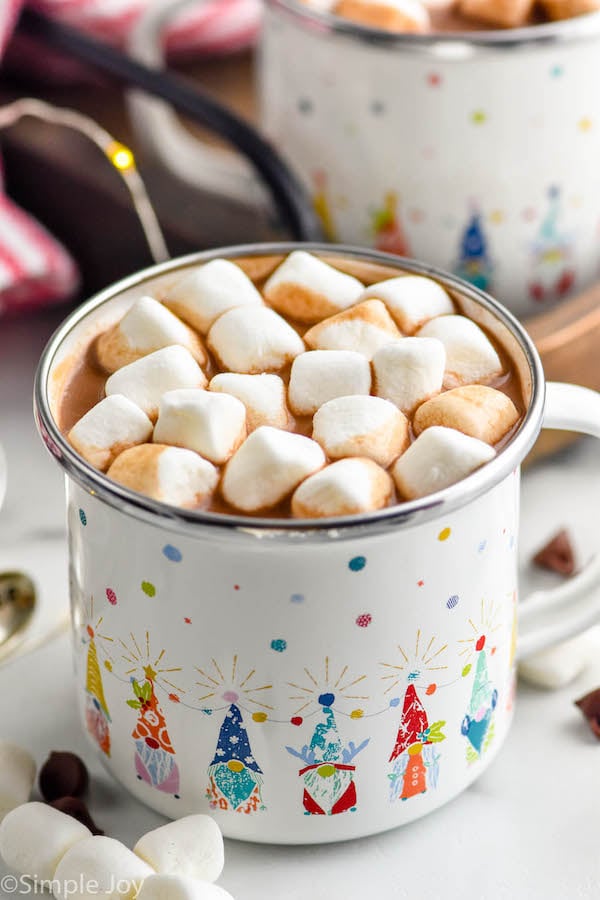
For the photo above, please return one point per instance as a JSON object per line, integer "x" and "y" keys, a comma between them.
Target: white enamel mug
{"x": 305, "y": 682}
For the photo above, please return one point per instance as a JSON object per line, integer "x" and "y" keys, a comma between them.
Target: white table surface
{"x": 527, "y": 830}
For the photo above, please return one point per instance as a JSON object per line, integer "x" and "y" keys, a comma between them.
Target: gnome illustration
{"x": 414, "y": 758}
{"x": 235, "y": 776}
{"x": 387, "y": 226}
{"x": 554, "y": 275}
{"x": 328, "y": 773}
{"x": 154, "y": 754}
{"x": 484, "y": 697}
{"x": 474, "y": 264}
{"x": 97, "y": 717}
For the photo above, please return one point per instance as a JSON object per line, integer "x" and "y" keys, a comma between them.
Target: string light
{"x": 120, "y": 156}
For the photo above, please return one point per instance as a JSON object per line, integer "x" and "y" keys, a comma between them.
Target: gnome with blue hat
{"x": 235, "y": 776}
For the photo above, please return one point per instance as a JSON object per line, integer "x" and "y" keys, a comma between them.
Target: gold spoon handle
{"x": 12, "y": 651}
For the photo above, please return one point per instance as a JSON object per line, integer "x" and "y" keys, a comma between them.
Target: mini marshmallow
{"x": 253, "y": 339}
{"x": 206, "y": 293}
{"x": 262, "y": 395}
{"x": 437, "y": 459}
{"x": 269, "y": 465}
{"x": 470, "y": 355}
{"x": 411, "y": 300}
{"x": 497, "y": 13}
{"x": 305, "y": 288}
{"x": 99, "y": 866}
{"x": 390, "y": 15}
{"x": 479, "y": 411}
{"x": 191, "y": 846}
{"x": 168, "y": 474}
{"x": 559, "y": 665}
{"x": 34, "y": 838}
{"x": 344, "y": 488}
{"x": 409, "y": 371}
{"x": 214, "y": 425}
{"x": 108, "y": 428}
{"x": 178, "y": 887}
{"x": 322, "y": 375}
{"x": 147, "y": 326}
{"x": 363, "y": 328}
{"x": 17, "y": 774}
{"x": 146, "y": 380}
{"x": 361, "y": 426}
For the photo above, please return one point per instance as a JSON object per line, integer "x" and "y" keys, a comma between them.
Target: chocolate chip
{"x": 76, "y": 808}
{"x": 590, "y": 707}
{"x": 557, "y": 555}
{"x": 63, "y": 775}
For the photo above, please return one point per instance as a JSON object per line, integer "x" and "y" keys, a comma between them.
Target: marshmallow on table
{"x": 180, "y": 887}
{"x": 204, "y": 294}
{"x": 391, "y": 15}
{"x": 99, "y": 866}
{"x": 253, "y": 339}
{"x": 168, "y": 474}
{"x": 344, "y": 488}
{"x": 559, "y": 665}
{"x": 146, "y": 380}
{"x": 262, "y": 395}
{"x": 305, "y": 288}
{"x": 17, "y": 774}
{"x": 363, "y": 328}
{"x": 409, "y": 371}
{"x": 146, "y": 326}
{"x": 470, "y": 355}
{"x": 214, "y": 425}
{"x": 191, "y": 846}
{"x": 411, "y": 300}
{"x": 361, "y": 426}
{"x": 321, "y": 375}
{"x": 437, "y": 459}
{"x": 499, "y": 13}
{"x": 479, "y": 411}
{"x": 108, "y": 428}
{"x": 34, "y": 838}
{"x": 269, "y": 465}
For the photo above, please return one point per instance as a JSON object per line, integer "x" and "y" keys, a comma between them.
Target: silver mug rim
{"x": 453, "y": 45}
{"x": 290, "y": 530}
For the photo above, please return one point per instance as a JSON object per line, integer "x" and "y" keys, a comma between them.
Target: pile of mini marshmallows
{"x": 414, "y": 15}
{"x": 374, "y": 364}
{"x": 178, "y": 861}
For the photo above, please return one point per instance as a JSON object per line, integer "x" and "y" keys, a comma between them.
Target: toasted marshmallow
{"x": 191, "y": 846}
{"x": 390, "y": 15}
{"x": 179, "y": 887}
{"x": 147, "y": 326}
{"x": 409, "y": 371}
{"x": 99, "y": 866}
{"x": 253, "y": 339}
{"x": 559, "y": 665}
{"x": 204, "y": 294}
{"x": 438, "y": 458}
{"x": 269, "y": 465}
{"x": 363, "y": 328}
{"x": 411, "y": 300}
{"x": 497, "y": 13}
{"x": 34, "y": 838}
{"x": 305, "y": 288}
{"x": 262, "y": 395}
{"x": 17, "y": 774}
{"x": 568, "y": 9}
{"x": 479, "y": 411}
{"x": 146, "y": 380}
{"x": 214, "y": 425}
{"x": 108, "y": 428}
{"x": 322, "y": 375}
{"x": 168, "y": 474}
{"x": 361, "y": 426}
{"x": 344, "y": 488}
{"x": 470, "y": 355}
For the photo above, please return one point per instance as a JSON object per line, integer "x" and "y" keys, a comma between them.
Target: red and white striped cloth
{"x": 35, "y": 269}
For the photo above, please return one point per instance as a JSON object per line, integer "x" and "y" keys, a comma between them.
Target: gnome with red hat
{"x": 414, "y": 757}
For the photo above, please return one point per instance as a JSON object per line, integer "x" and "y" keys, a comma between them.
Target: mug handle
{"x": 548, "y": 617}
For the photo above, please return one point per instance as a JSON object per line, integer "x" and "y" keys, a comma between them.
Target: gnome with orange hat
{"x": 414, "y": 756}
{"x": 154, "y": 754}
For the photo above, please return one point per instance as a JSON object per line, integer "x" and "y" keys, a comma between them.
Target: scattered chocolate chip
{"x": 63, "y": 775}
{"x": 557, "y": 555}
{"x": 590, "y": 707}
{"x": 75, "y": 807}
